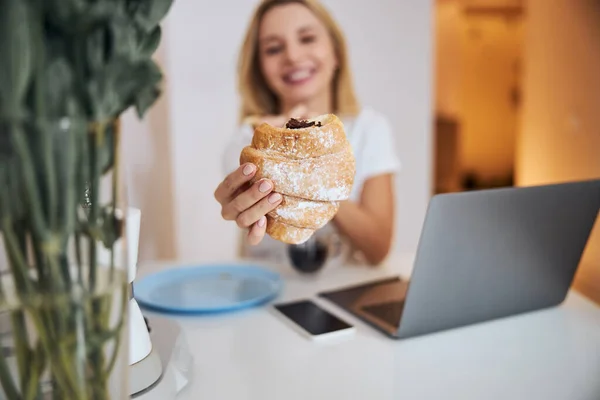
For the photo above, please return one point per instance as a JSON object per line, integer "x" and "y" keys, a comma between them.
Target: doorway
{"x": 479, "y": 51}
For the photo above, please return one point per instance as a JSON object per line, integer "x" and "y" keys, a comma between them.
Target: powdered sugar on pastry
{"x": 325, "y": 178}
{"x": 311, "y": 164}
{"x": 313, "y": 214}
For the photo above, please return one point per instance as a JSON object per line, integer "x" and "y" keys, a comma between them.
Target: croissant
{"x": 312, "y": 166}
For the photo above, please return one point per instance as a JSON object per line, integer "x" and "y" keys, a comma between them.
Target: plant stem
{"x": 81, "y": 185}
{"x": 115, "y": 191}
{"x": 20, "y": 232}
{"x": 50, "y": 174}
{"x": 29, "y": 177}
{"x": 10, "y": 390}
{"x": 79, "y": 326}
{"x": 98, "y": 311}
{"x": 79, "y": 258}
{"x": 16, "y": 257}
{"x": 44, "y": 280}
{"x": 22, "y": 349}
{"x": 113, "y": 359}
{"x": 55, "y": 273}
{"x": 44, "y": 130}
{"x": 60, "y": 366}
{"x": 17, "y": 261}
{"x": 39, "y": 362}
{"x": 63, "y": 263}
{"x": 96, "y": 141}
{"x": 69, "y": 132}
{"x": 97, "y": 316}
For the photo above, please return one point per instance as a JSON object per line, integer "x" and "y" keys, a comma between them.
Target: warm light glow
{"x": 560, "y": 130}
{"x": 478, "y": 74}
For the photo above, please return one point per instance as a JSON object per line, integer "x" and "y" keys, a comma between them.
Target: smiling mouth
{"x": 299, "y": 77}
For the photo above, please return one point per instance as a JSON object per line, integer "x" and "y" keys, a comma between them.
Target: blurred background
{"x": 480, "y": 93}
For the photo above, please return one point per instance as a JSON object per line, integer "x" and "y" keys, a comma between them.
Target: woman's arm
{"x": 369, "y": 224}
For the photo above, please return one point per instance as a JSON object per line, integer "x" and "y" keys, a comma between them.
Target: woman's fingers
{"x": 245, "y": 200}
{"x": 233, "y": 182}
{"x": 253, "y": 214}
{"x": 248, "y": 205}
{"x": 257, "y": 231}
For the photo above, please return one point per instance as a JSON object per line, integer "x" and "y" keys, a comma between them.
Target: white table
{"x": 546, "y": 355}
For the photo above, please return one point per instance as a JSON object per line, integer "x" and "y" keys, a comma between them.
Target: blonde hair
{"x": 258, "y": 99}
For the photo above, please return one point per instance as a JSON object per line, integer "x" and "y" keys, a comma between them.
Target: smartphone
{"x": 313, "y": 321}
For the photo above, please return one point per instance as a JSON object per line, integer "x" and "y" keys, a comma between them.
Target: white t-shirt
{"x": 372, "y": 141}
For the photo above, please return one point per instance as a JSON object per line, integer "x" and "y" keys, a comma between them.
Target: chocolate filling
{"x": 294, "y": 123}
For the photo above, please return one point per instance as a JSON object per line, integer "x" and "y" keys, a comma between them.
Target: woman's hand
{"x": 247, "y": 203}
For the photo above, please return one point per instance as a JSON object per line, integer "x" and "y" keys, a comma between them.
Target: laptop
{"x": 483, "y": 255}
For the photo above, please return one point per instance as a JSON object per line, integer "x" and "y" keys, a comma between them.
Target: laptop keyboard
{"x": 388, "y": 312}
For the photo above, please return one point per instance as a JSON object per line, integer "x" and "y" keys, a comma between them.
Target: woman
{"x": 294, "y": 63}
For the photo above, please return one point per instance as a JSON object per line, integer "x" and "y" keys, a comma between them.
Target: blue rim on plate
{"x": 207, "y": 289}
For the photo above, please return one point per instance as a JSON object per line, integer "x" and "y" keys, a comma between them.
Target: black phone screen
{"x": 311, "y": 317}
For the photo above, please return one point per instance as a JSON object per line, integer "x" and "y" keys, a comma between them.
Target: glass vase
{"x": 64, "y": 288}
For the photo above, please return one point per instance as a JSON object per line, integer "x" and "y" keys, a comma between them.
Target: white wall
{"x": 148, "y": 157}
{"x": 560, "y": 133}
{"x": 183, "y": 139}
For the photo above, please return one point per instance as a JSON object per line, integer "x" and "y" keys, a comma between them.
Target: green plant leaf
{"x": 126, "y": 39}
{"x": 56, "y": 45}
{"x": 6, "y": 148}
{"x": 106, "y": 155}
{"x": 132, "y": 42}
{"x": 16, "y": 48}
{"x": 115, "y": 88}
{"x": 76, "y": 16}
{"x": 150, "y": 43}
{"x": 62, "y": 13}
{"x": 11, "y": 201}
{"x": 65, "y": 138}
{"x": 111, "y": 227}
{"x": 145, "y": 99}
{"x": 4, "y": 185}
{"x": 17, "y": 205}
{"x": 59, "y": 80}
{"x": 148, "y": 13}
{"x": 8, "y": 386}
{"x": 96, "y": 48}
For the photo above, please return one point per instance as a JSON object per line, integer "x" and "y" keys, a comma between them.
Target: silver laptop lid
{"x": 494, "y": 253}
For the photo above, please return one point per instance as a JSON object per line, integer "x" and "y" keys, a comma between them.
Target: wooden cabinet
{"x": 447, "y": 169}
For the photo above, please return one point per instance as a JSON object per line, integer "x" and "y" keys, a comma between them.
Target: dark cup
{"x": 308, "y": 257}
